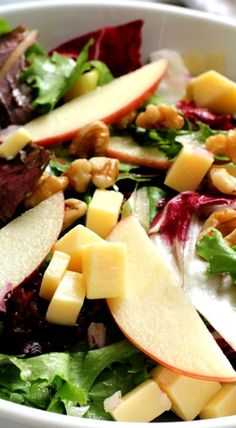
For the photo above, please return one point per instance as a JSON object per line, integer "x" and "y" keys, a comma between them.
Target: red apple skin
{"x": 174, "y": 369}
{"x": 108, "y": 119}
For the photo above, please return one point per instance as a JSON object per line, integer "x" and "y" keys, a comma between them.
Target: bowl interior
{"x": 164, "y": 27}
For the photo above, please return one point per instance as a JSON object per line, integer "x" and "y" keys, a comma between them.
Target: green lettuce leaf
{"x": 59, "y": 382}
{"x": 164, "y": 139}
{"x": 52, "y": 76}
{"x": 4, "y": 27}
{"x": 221, "y": 257}
{"x": 105, "y": 75}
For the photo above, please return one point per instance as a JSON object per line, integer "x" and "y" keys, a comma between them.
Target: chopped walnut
{"x": 74, "y": 209}
{"x": 160, "y": 116}
{"x": 223, "y": 144}
{"x": 125, "y": 121}
{"x": 223, "y": 181}
{"x": 223, "y": 220}
{"x": 104, "y": 171}
{"x": 91, "y": 140}
{"x": 46, "y": 186}
{"x": 79, "y": 175}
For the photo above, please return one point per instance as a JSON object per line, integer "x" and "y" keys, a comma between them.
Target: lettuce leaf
{"x": 58, "y": 382}
{"x": 164, "y": 139}
{"x": 4, "y": 27}
{"x": 221, "y": 257}
{"x": 52, "y": 76}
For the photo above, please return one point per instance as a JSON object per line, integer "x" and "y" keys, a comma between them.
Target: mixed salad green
{"x": 53, "y": 367}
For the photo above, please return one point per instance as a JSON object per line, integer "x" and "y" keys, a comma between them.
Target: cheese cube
{"x": 72, "y": 242}
{"x": 188, "y": 395}
{"x": 104, "y": 269}
{"x": 143, "y": 404}
{"x": 223, "y": 404}
{"x": 189, "y": 168}
{"x": 103, "y": 211}
{"x": 53, "y": 274}
{"x": 207, "y": 88}
{"x": 67, "y": 300}
{"x": 14, "y": 141}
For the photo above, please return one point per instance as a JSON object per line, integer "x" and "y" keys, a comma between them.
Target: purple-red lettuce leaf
{"x": 199, "y": 114}
{"x": 119, "y": 47}
{"x": 17, "y": 178}
{"x": 15, "y": 95}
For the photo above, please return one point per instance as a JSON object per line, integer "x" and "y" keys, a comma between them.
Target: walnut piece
{"x": 104, "y": 171}
{"x": 160, "y": 116}
{"x": 91, "y": 140}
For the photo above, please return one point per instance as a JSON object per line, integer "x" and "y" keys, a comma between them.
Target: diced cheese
{"x": 143, "y": 404}
{"x": 53, "y": 274}
{"x": 13, "y": 142}
{"x": 104, "y": 269}
{"x": 72, "y": 242}
{"x": 67, "y": 300}
{"x": 189, "y": 168}
{"x": 103, "y": 211}
{"x": 188, "y": 395}
{"x": 223, "y": 404}
{"x": 209, "y": 86}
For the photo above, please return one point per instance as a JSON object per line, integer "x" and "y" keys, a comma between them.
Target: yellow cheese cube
{"x": 188, "y": 395}
{"x": 214, "y": 91}
{"x": 209, "y": 86}
{"x": 189, "y": 168}
{"x": 53, "y": 274}
{"x": 103, "y": 211}
{"x": 104, "y": 269}
{"x": 223, "y": 404}
{"x": 72, "y": 242}
{"x": 67, "y": 300}
{"x": 143, "y": 404}
{"x": 13, "y": 142}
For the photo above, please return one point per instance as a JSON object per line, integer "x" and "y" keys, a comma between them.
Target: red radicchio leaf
{"x": 17, "y": 178}
{"x": 118, "y": 47}
{"x": 15, "y": 95}
{"x": 199, "y": 114}
{"x": 173, "y": 222}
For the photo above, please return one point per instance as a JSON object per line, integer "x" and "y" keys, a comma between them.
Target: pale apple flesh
{"x": 107, "y": 103}
{"x": 27, "y": 240}
{"x": 127, "y": 150}
{"x": 158, "y": 317}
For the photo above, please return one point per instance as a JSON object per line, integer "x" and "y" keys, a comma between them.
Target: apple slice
{"x": 27, "y": 240}
{"x": 127, "y": 150}
{"x": 107, "y": 103}
{"x": 158, "y": 317}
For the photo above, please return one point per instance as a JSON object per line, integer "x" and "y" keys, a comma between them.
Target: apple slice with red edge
{"x": 127, "y": 150}
{"x": 158, "y": 317}
{"x": 107, "y": 103}
{"x": 27, "y": 240}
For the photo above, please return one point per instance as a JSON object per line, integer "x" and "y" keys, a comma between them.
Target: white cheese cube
{"x": 67, "y": 300}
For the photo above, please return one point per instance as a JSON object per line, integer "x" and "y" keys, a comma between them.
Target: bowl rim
{"x": 135, "y": 4}
{"x": 14, "y": 412}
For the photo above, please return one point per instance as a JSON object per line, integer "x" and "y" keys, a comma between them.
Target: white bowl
{"x": 165, "y": 27}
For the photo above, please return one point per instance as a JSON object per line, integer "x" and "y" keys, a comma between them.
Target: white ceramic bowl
{"x": 165, "y": 27}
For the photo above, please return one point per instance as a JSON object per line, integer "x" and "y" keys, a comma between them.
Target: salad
{"x": 117, "y": 190}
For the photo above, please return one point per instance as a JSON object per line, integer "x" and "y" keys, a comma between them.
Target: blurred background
{"x": 221, "y": 7}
